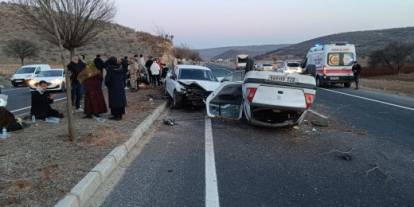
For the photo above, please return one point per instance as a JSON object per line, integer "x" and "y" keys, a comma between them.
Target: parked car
{"x": 26, "y": 73}
{"x": 189, "y": 84}
{"x": 291, "y": 67}
{"x": 54, "y": 77}
{"x": 264, "y": 98}
{"x": 266, "y": 67}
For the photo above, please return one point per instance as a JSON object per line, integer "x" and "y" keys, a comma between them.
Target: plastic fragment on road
{"x": 4, "y": 134}
{"x": 169, "y": 122}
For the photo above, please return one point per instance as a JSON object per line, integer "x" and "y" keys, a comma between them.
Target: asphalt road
{"x": 227, "y": 163}
{"x": 19, "y": 99}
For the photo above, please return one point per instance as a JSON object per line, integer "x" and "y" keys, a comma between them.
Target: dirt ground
{"x": 399, "y": 84}
{"x": 38, "y": 165}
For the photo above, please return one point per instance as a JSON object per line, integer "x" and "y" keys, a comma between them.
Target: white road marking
{"x": 28, "y": 107}
{"x": 318, "y": 114}
{"x": 212, "y": 197}
{"x": 369, "y": 99}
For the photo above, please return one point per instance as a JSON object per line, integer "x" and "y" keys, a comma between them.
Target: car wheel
{"x": 14, "y": 84}
{"x": 62, "y": 88}
{"x": 347, "y": 85}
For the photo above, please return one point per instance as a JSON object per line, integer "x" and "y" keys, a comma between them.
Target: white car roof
{"x": 199, "y": 67}
{"x": 34, "y": 65}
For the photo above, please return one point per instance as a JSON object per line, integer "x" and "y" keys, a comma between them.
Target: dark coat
{"x": 41, "y": 108}
{"x": 8, "y": 120}
{"x": 357, "y": 69}
{"x": 94, "y": 98}
{"x": 99, "y": 64}
{"x": 75, "y": 69}
{"x": 148, "y": 65}
{"x": 115, "y": 82}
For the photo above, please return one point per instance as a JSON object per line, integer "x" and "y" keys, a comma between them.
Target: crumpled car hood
{"x": 206, "y": 85}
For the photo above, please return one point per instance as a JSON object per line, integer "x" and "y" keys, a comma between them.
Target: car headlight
{"x": 56, "y": 82}
{"x": 32, "y": 83}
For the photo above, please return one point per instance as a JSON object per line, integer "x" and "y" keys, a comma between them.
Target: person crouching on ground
{"x": 41, "y": 100}
{"x": 115, "y": 82}
{"x": 91, "y": 79}
{"x": 8, "y": 120}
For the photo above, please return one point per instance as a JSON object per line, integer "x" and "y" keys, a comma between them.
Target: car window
{"x": 293, "y": 65}
{"x": 26, "y": 70}
{"x": 220, "y": 72}
{"x": 50, "y": 73}
{"x": 235, "y": 76}
{"x": 196, "y": 74}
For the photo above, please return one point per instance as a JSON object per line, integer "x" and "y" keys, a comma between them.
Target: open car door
{"x": 226, "y": 101}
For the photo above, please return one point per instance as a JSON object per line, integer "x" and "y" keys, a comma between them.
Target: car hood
{"x": 206, "y": 85}
{"x": 47, "y": 79}
{"x": 22, "y": 76}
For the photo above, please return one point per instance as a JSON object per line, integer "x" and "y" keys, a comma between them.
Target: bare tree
{"x": 68, "y": 24}
{"x": 21, "y": 49}
{"x": 394, "y": 56}
{"x": 185, "y": 52}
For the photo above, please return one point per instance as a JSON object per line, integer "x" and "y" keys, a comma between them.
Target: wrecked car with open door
{"x": 264, "y": 98}
{"x": 189, "y": 84}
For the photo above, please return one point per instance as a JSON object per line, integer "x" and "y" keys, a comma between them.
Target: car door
{"x": 226, "y": 101}
{"x": 169, "y": 82}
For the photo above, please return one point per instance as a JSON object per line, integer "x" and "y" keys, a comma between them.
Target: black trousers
{"x": 76, "y": 94}
{"x": 118, "y": 112}
{"x": 356, "y": 79}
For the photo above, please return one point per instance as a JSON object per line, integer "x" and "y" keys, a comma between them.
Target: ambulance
{"x": 241, "y": 61}
{"x": 331, "y": 63}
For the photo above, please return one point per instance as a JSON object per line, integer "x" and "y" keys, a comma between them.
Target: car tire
{"x": 347, "y": 85}
{"x": 14, "y": 84}
{"x": 63, "y": 88}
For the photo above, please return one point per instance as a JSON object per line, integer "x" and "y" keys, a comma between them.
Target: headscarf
{"x": 89, "y": 72}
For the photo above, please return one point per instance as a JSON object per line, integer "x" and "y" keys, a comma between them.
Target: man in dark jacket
{"x": 148, "y": 65}
{"x": 356, "y": 69}
{"x": 115, "y": 82}
{"x": 41, "y": 101}
{"x": 75, "y": 67}
{"x": 99, "y": 63}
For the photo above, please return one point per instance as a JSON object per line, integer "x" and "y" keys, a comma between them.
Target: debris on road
{"x": 345, "y": 155}
{"x": 169, "y": 122}
{"x": 320, "y": 122}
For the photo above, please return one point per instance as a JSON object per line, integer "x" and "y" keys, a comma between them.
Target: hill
{"x": 365, "y": 41}
{"x": 115, "y": 40}
{"x": 225, "y": 52}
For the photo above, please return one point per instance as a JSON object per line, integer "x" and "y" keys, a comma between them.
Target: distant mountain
{"x": 365, "y": 41}
{"x": 225, "y": 52}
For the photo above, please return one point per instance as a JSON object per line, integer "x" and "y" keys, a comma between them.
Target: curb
{"x": 85, "y": 189}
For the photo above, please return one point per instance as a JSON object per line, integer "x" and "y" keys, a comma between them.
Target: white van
{"x": 241, "y": 61}
{"x": 331, "y": 63}
{"x": 26, "y": 73}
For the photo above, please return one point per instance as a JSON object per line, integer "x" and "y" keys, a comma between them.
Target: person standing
{"x": 155, "y": 73}
{"x": 148, "y": 65}
{"x": 99, "y": 63}
{"x": 75, "y": 67}
{"x": 356, "y": 69}
{"x": 115, "y": 82}
{"x": 91, "y": 78}
{"x": 133, "y": 71}
{"x": 144, "y": 76}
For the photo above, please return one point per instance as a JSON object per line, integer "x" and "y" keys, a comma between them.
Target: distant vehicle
{"x": 26, "y": 73}
{"x": 265, "y": 67}
{"x": 290, "y": 66}
{"x": 331, "y": 63}
{"x": 241, "y": 61}
{"x": 189, "y": 84}
{"x": 263, "y": 98}
{"x": 54, "y": 77}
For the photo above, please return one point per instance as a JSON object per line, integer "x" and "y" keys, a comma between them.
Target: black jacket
{"x": 41, "y": 105}
{"x": 115, "y": 82}
{"x": 99, "y": 64}
{"x": 75, "y": 69}
{"x": 357, "y": 69}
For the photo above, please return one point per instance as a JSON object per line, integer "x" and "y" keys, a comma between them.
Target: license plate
{"x": 334, "y": 78}
{"x": 282, "y": 78}
{"x": 18, "y": 81}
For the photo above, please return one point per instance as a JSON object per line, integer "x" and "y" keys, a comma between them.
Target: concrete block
{"x": 119, "y": 153}
{"x": 87, "y": 187}
{"x": 68, "y": 201}
{"x": 105, "y": 167}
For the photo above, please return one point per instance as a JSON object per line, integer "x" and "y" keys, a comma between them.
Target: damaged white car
{"x": 264, "y": 98}
{"x": 189, "y": 84}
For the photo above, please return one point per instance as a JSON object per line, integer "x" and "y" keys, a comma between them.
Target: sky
{"x": 214, "y": 23}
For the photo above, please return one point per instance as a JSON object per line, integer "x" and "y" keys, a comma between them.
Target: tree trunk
{"x": 22, "y": 61}
{"x": 71, "y": 129}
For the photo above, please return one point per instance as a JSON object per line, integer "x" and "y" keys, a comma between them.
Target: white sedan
{"x": 264, "y": 98}
{"x": 189, "y": 84}
{"x": 54, "y": 77}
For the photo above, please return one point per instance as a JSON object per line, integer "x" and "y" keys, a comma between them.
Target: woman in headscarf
{"x": 91, "y": 79}
{"x": 115, "y": 81}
